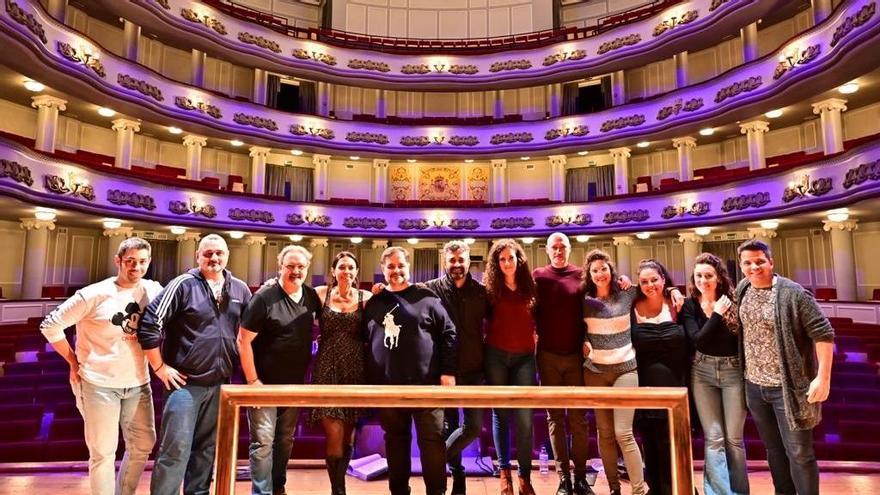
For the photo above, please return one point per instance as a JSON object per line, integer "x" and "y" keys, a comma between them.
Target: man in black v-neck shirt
{"x": 275, "y": 344}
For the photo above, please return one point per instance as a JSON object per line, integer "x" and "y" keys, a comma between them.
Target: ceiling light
{"x": 469, "y": 161}
{"x": 582, "y": 238}
{"x": 774, "y": 114}
{"x": 848, "y": 88}
{"x": 702, "y": 230}
{"x": 41, "y": 213}
{"x": 469, "y": 240}
{"x": 838, "y": 215}
{"x": 524, "y": 158}
{"x": 236, "y": 142}
{"x": 354, "y": 158}
{"x": 356, "y": 240}
{"x": 643, "y": 235}
{"x": 175, "y": 130}
{"x": 410, "y": 161}
{"x": 412, "y": 240}
{"x": 769, "y": 224}
{"x": 582, "y": 153}
{"x": 296, "y": 152}
{"x": 177, "y": 230}
{"x": 708, "y": 131}
{"x": 112, "y": 223}
{"x": 295, "y": 238}
{"x": 106, "y": 112}
{"x": 643, "y": 144}
{"x": 236, "y": 234}
{"x": 34, "y": 86}
{"x": 528, "y": 240}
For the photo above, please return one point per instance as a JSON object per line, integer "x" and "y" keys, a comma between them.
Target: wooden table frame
{"x": 673, "y": 399}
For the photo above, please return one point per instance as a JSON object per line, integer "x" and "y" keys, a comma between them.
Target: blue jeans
{"x": 188, "y": 438}
{"x": 505, "y": 368}
{"x": 271, "y": 430}
{"x": 718, "y": 394}
{"x": 461, "y": 435}
{"x": 790, "y": 453}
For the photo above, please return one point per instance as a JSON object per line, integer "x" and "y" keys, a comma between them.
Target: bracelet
{"x": 159, "y": 368}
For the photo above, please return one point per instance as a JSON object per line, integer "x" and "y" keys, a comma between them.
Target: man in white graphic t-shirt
{"x": 108, "y": 370}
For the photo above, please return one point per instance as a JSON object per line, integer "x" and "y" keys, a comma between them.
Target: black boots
{"x": 581, "y": 487}
{"x": 336, "y": 468}
{"x": 565, "y": 487}
{"x": 458, "y": 482}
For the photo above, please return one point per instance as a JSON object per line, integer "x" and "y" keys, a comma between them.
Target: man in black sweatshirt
{"x": 195, "y": 319}
{"x": 411, "y": 341}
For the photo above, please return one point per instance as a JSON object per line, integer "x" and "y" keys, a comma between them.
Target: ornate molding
{"x": 464, "y": 140}
{"x": 415, "y": 140}
{"x": 744, "y": 201}
{"x": 862, "y": 173}
{"x": 578, "y": 219}
{"x": 852, "y": 22}
{"x": 761, "y": 232}
{"x": 315, "y": 55}
{"x": 321, "y": 132}
{"x": 298, "y": 219}
{"x": 255, "y": 121}
{"x": 206, "y": 20}
{"x": 16, "y": 171}
{"x": 790, "y": 62}
{"x": 201, "y": 107}
{"x": 689, "y": 237}
{"x": 512, "y": 223}
{"x": 626, "y": 216}
{"x": 687, "y": 106}
{"x": 464, "y": 224}
{"x": 366, "y": 137}
{"x": 623, "y": 240}
{"x": 135, "y": 200}
{"x": 563, "y": 56}
{"x": 35, "y": 224}
{"x": 616, "y": 43}
{"x": 251, "y": 215}
{"x": 140, "y": 86}
{"x": 716, "y": 3}
{"x": 578, "y": 130}
{"x": 70, "y": 53}
{"x": 413, "y": 224}
{"x": 622, "y": 122}
{"x": 119, "y": 231}
{"x": 57, "y": 185}
{"x": 696, "y": 209}
{"x": 686, "y": 18}
{"x": 511, "y": 137}
{"x": 368, "y": 65}
{"x": 521, "y": 64}
{"x": 409, "y": 69}
{"x": 847, "y": 225}
{"x": 467, "y": 70}
{"x": 27, "y": 20}
{"x": 198, "y": 209}
{"x": 805, "y": 187}
{"x": 364, "y": 223}
{"x": 255, "y": 240}
{"x": 259, "y": 41}
{"x": 739, "y": 87}
{"x": 164, "y": 4}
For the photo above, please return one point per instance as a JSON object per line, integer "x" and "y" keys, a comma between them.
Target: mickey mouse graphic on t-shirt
{"x": 129, "y": 320}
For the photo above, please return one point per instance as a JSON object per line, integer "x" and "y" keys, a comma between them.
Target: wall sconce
{"x": 439, "y": 220}
{"x": 196, "y": 206}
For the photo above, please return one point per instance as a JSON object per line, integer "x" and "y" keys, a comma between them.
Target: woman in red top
{"x": 510, "y": 353}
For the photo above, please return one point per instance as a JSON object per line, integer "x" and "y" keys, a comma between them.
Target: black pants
{"x": 658, "y": 461}
{"x": 397, "y": 424}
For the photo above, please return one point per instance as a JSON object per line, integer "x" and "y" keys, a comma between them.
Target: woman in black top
{"x": 709, "y": 317}
{"x": 661, "y": 353}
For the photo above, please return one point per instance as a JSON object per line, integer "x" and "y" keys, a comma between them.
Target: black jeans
{"x": 397, "y": 424}
{"x": 654, "y": 428}
{"x": 460, "y": 435}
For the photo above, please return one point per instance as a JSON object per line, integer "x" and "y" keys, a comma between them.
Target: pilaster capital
{"x": 194, "y": 140}
{"x": 380, "y": 163}
{"x": 36, "y": 224}
{"x": 847, "y": 225}
{"x": 620, "y": 152}
{"x": 189, "y": 236}
{"x": 255, "y": 240}
{"x": 319, "y": 242}
{"x": 761, "y": 232}
{"x": 126, "y": 125}
{"x": 557, "y": 160}
{"x": 48, "y": 101}
{"x": 684, "y": 237}
{"x": 318, "y": 160}
{"x": 684, "y": 142}
{"x": 754, "y": 126}
{"x": 259, "y": 152}
{"x": 119, "y": 231}
{"x": 623, "y": 240}
{"x": 380, "y": 243}
{"x": 499, "y": 164}
{"x": 828, "y": 105}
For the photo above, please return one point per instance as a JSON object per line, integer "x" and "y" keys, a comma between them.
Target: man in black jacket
{"x": 465, "y": 300}
{"x": 411, "y": 341}
{"x": 195, "y": 319}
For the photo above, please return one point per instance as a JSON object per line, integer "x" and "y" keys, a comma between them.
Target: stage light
{"x": 112, "y": 223}
{"x": 236, "y": 234}
{"x": 410, "y": 161}
{"x": 838, "y": 215}
{"x": 582, "y": 238}
{"x": 236, "y": 142}
{"x": 177, "y": 230}
{"x": 708, "y": 131}
{"x": 175, "y": 130}
{"x": 41, "y": 213}
{"x": 774, "y": 114}
{"x": 848, "y": 88}
{"x": 702, "y": 230}
{"x": 356, "y": 240}
{"x": 106, "y": 112}
{"x": 643, "y": 235}
{"x": 296, "y": 152}
{"x": 34, "y": 86}
{"x": 354, "y": 158}
{"x": 412, "y": 240}
{"x": 769, "y": 224}
{"x": 295, "y": 238}
{"x": 643, "y": 144}
{"x": 582, "y": 153}
{"x": 528, "y": 240}
{"x": 469, "y": 240}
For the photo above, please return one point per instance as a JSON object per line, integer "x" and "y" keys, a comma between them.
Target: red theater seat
{"x": 826, "y": 293}
{"x": 875, "y": 296}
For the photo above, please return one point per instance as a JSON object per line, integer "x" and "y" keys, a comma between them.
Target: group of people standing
{"x": 561, "y": 324}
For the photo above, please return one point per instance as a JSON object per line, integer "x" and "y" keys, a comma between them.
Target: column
{"x": 685, "y": 146}
{"x": 754, "y": 132}
{"x": 762, "y": 234}
{"x": 499, "y": 181}
{"x": 557, "y": 178}
{"x": 186, "y": 250}
{"x": 554, "y": 99}
{"x": 114, "y": 239}
{"x": 318, "y": 266}
{"x": 832, "y": 126}
{"x": 194, "y": 145}
{"x": 36, "y": 250}
{"x": 621, "y": 169}
{"x": 842, "y": 259}
{"x": 198, "y": 68}
{"x": 624, "y": 263}
{"x": 381, "y": 108}
{"x": 255, "y": 245}
{"x": 821, "y": 10}
{"x": 323, "y": 99}
{"x": 692, "y": 244}
{"x": 321, "y": 162}
{"x": 372, "y": 268}
{"x": 261, "y": 86}
{"x": 749, "y": 37}
{"x": 125, "y": 130}
{"x": 47, "y": 120}
{"x": 131, "y": 37}
{"x": 379, "y": 193}
{"x": 58, "y": 9}
{"x": 618, "y": 88}
{"x": 258, "y": 156}
{"x": 681, "y": 69}
{"x": 498, "y": 109}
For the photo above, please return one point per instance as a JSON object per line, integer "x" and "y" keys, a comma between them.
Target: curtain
{"x": 272, "y": 89}
{"x": 586, "y": 183}
{"x": 424, "y": 266}
{"x": 308, "y": 97}
{"x": 569, "y": 98}
{"x": 163, "y": 267}
{"x": 726, "y": 250}
{"x": 294, "y": 183}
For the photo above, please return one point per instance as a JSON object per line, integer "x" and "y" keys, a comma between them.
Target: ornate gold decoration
{"x": 463, "y": 69}
{"x": 368, "y": 65}
{"x": 464, "y": 140}
{"x": 415, "y": 140}
{"x": 85, "y": 58}
{"x": 58, "y": 185}
{"x": 415, "y": 69}
{"x": 251, "y": 215}
{"x": 578, "y": 130}
{"x": 854, "y": 176}
{"x": 27, "y": 20}
{"x": 255, "y": 121}
{"x": 439, "y": 183}
{"x": 206, "y": 20}
{"x": 688, "y": 106}
{"x": 791, "y": 61}
{"x": 698, "y": 208}
{"x": 135, "y": 200}
{"x": 626, "y": 216}
{"x": 309, "y": 218}
{"x": 736, "y": 88}
{"x": 16, "y": 171}
{"x": 850, "y": 23}
{"x": 315, "y": 55}
{"x": 805, "y": 187}
{"x": 478, "y": 184}
{"x": 202, "y": 107}
{"x": 563, "y": 56}
{"x": 511, "y": 137}
{"x": 576, "y": 219}
{"x": 321, "y": 132}
{"x": 673, "y": 22}
{"x": 616, "y": 43}
{"x": 621, "y": 122}
{"x": 717, "y": 3}
{"x": 401, "y": 183}
{"x": 413, "y": 224}
{"x": 521, "y": 64}
{"x": 744, "y": 201}
{"x": 193, "y": 206}
{"x": 364, "y": 223}
{"x": 140, "y": 86}
{"x": 253, "y": 39}
{"x": 512, "y": 223}
{"x": 366, "y": 137}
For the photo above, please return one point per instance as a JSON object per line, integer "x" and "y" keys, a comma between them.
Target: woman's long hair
{"x": 724, "y": 287}
{"x": 493, "y": 277}
{"x": 587, "y": 284}
{"x": 655, "y": 265}
{"x": 336, "y": 259}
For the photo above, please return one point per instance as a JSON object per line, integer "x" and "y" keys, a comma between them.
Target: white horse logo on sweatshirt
{"x": 392, "y": 330}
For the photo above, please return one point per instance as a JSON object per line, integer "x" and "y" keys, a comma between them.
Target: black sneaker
{"x": 581, "y": 487}
{"x": 564, "y": 486}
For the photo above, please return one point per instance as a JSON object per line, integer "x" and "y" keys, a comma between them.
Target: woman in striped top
{"x": 610, "y": 361}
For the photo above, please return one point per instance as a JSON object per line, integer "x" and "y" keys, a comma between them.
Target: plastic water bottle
{"x": 543, "y": 462}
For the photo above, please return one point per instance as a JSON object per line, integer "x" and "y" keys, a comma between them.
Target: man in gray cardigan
{"x": 782, "y": 329}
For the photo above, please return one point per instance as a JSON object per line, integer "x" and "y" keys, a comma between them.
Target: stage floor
{"x": 314, "y": 482}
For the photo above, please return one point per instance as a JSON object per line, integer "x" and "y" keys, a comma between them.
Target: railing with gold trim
{"x": 673, "y": 399}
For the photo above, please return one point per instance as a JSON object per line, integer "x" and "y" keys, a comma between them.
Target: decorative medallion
{"x": 16, "y": 171}
{"x": 626, "y": 216}
{"x": 193, "y": 16}
{"x": 198, "y": 209}
{"x": 745, "y": 201}
{"x": 25, "y": 19}
{"x": 366, "y": 137}
{"x": 255, "y": 121}
{"x": 686, "y": 18}
{"x": 804, "y": 57}
{"x": 579, "y": 130}
{"x": 616, "y": 43}
{"x": 696, "y": 209}
{"x": 671, "y": 110}
{"x": 364, "y": 223}
{"x": 135, "y": 200}
{"x": 854, "y": 176}
{"x": 140, "y": 86}
{"x": 316, "y": 56}
{"x": 621, "y": 122}
{"x": 301, "y": 130}
{"x": 85, "y": 58}
{"x": 259, "y": 41}
{"x": 511, "y": 137}
{"x": 563, "y": 56}
{"x": 368, "y": 65}
{"x": 737, "y": 88}
{"x": 850, "y": 23}
{"x": 805, "y": 187}
{"x": 319, "y": 220}
{"x": 521, "y": 64}
{"x": 512, "y": 223}
{"x": 579, "y": 219}
{"x": 201, "y": 107}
